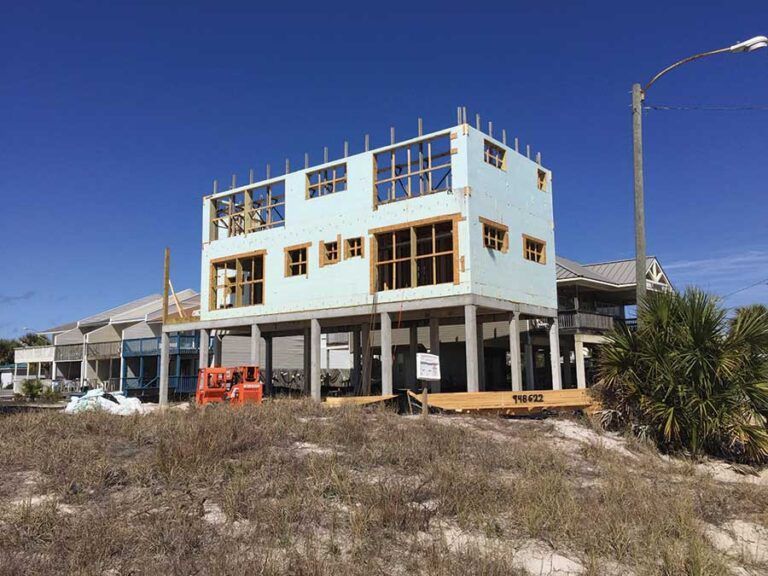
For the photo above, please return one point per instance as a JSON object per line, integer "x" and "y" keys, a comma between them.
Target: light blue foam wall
{"x": 350, "y": 213}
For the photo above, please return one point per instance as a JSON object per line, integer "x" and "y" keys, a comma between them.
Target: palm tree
{"x": 691, "y": 377}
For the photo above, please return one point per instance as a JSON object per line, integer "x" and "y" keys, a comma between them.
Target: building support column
{"x": 470, "y": 338}
{"x": 315, "y": 381}
{"x": 356, "y": 360}
{"x": 165, "y": 349}
{"x": 515, "y": 367}
{"x": 268, "y": 365}
{"x": 434, "y": 346}
{"x": 217, "y": 349}
{"x": 530, "y": 365}
{"x": 307, "y": 359}
{"x": 581, "y": 373}
{"x": 365, "y": 341}
{"x": 413, "y": 347}
{"x": 554, "y": 354}
{"x": 480, "y": 357}
{"x": 84, "y": 364}
{"x": 567, "y": 376}
{"x": 255, "y": 344}
{"x": 386, "y": 354}
{"x": 204, "y": 344}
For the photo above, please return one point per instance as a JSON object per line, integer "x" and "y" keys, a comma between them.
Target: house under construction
{"x": 452, "y": 228}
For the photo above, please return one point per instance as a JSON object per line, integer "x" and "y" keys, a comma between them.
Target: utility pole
{"x": 637, "y": 141}
{"x": 638, "y": 95}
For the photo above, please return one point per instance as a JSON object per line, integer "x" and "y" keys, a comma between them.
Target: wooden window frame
{"x": 422, "y": 167}
{"x": 324, "y": 252}
{"x": 238, "y": 284}
{"x": 492, "y": 242}
{"x": 542, "y": 180}
{"x": 329, "y": 181}
{"x": 413, "y": 257}
{"x": 287, "y": 260}
{"x": 248, "y": 210}
{"x": 543, "y": 257}
{"x": 495, "y": 155}
{"x": 348, "y": 248}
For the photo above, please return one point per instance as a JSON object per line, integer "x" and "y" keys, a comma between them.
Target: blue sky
{"x": 117, "y": 117}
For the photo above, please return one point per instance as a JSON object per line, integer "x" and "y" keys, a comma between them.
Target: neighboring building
{"x": 453, "y": 227}
{"x": 98, "y": 350}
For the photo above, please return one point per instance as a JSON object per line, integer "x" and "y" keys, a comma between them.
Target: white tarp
{"x": 98, "y": 399}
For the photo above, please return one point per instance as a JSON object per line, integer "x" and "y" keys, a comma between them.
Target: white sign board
{"x": 427, "y": 366}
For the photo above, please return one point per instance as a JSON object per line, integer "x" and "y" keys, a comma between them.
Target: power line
{"x": 707, "y": 108}
{"x": 764, "y": 281}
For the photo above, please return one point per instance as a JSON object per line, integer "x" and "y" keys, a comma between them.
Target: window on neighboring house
{"x": 416, "y": 256}
{"x": 534, "y": 249}
{"x": 495, "y": 155}
{"x": 353, "y": 247}
{"x": 327, "y": 181}
{"x": 329, "y": 252}
{"x": 542, "y": 180}
{"x": 412, "y": 170}
{"x": 495, "y": 235}
{"x": 237, "y": 281}
{"x": 251, "y": 210}
{"x": 296, "y": 263}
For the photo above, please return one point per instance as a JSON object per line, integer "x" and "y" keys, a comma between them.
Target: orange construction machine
{"x": 236, "y": 385}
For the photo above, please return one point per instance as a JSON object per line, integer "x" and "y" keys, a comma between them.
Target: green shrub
{"x": 51, "y": 395}
{"x": 690, "y": 377}
{"x": 32, "y": 389}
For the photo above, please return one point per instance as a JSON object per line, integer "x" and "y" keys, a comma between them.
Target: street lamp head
{"x": 750, "y": 45}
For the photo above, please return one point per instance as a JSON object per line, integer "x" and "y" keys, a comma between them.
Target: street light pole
{"x": 638, "y": 95}
{"x": 637, "y": 145}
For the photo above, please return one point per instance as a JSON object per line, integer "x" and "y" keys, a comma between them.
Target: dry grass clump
{"x": 293, "y": 487}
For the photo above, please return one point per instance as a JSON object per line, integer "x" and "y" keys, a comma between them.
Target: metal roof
{"x": 189, "y": 304}
{"x": 142, "y": 313}
{"x": 60, "y": 328}
{"x": 137, "y": 310}
{"x": 568, "y": 269}
{"x": 620, "y": 272}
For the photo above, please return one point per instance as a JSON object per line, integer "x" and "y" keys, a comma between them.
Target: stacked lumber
{"x": 516, "y": 403}
{"x": 357, "y": 400}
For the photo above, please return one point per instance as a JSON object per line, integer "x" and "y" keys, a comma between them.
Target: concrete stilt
{"x": 413, "y": 346}
{"x": 434, "y": 346}
{"x": 470, "y": 337}
{"x": 165, "y": 351}
{"x": 356, "y": 359}
{"x": 554, "y": 354}
{"x": 480, "y": 357}
{"x": 386, "y": 353}
{"x": 307, "y": 359}
{"x": 530, "y": 364}
{"x": 267, "y": 379}
{"x": 365, "y": 345}
{"x": 202, "y": 361}
{"x": 514, "y": 354}
{"x": 255, "y": 344}
{"x": 314, "y": 379}
{"x": 581, "y": 373}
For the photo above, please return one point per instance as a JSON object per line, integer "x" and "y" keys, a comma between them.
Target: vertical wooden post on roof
{"x": 367, "y": 142}
{"x": 346, "y": 148}
{"x": 421, "y": 127}
{"x": 504, "y": 136}
{"x": 166, "y": 282}
{"x": 391, "y": 134}
{"x": 477, "y": 121}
